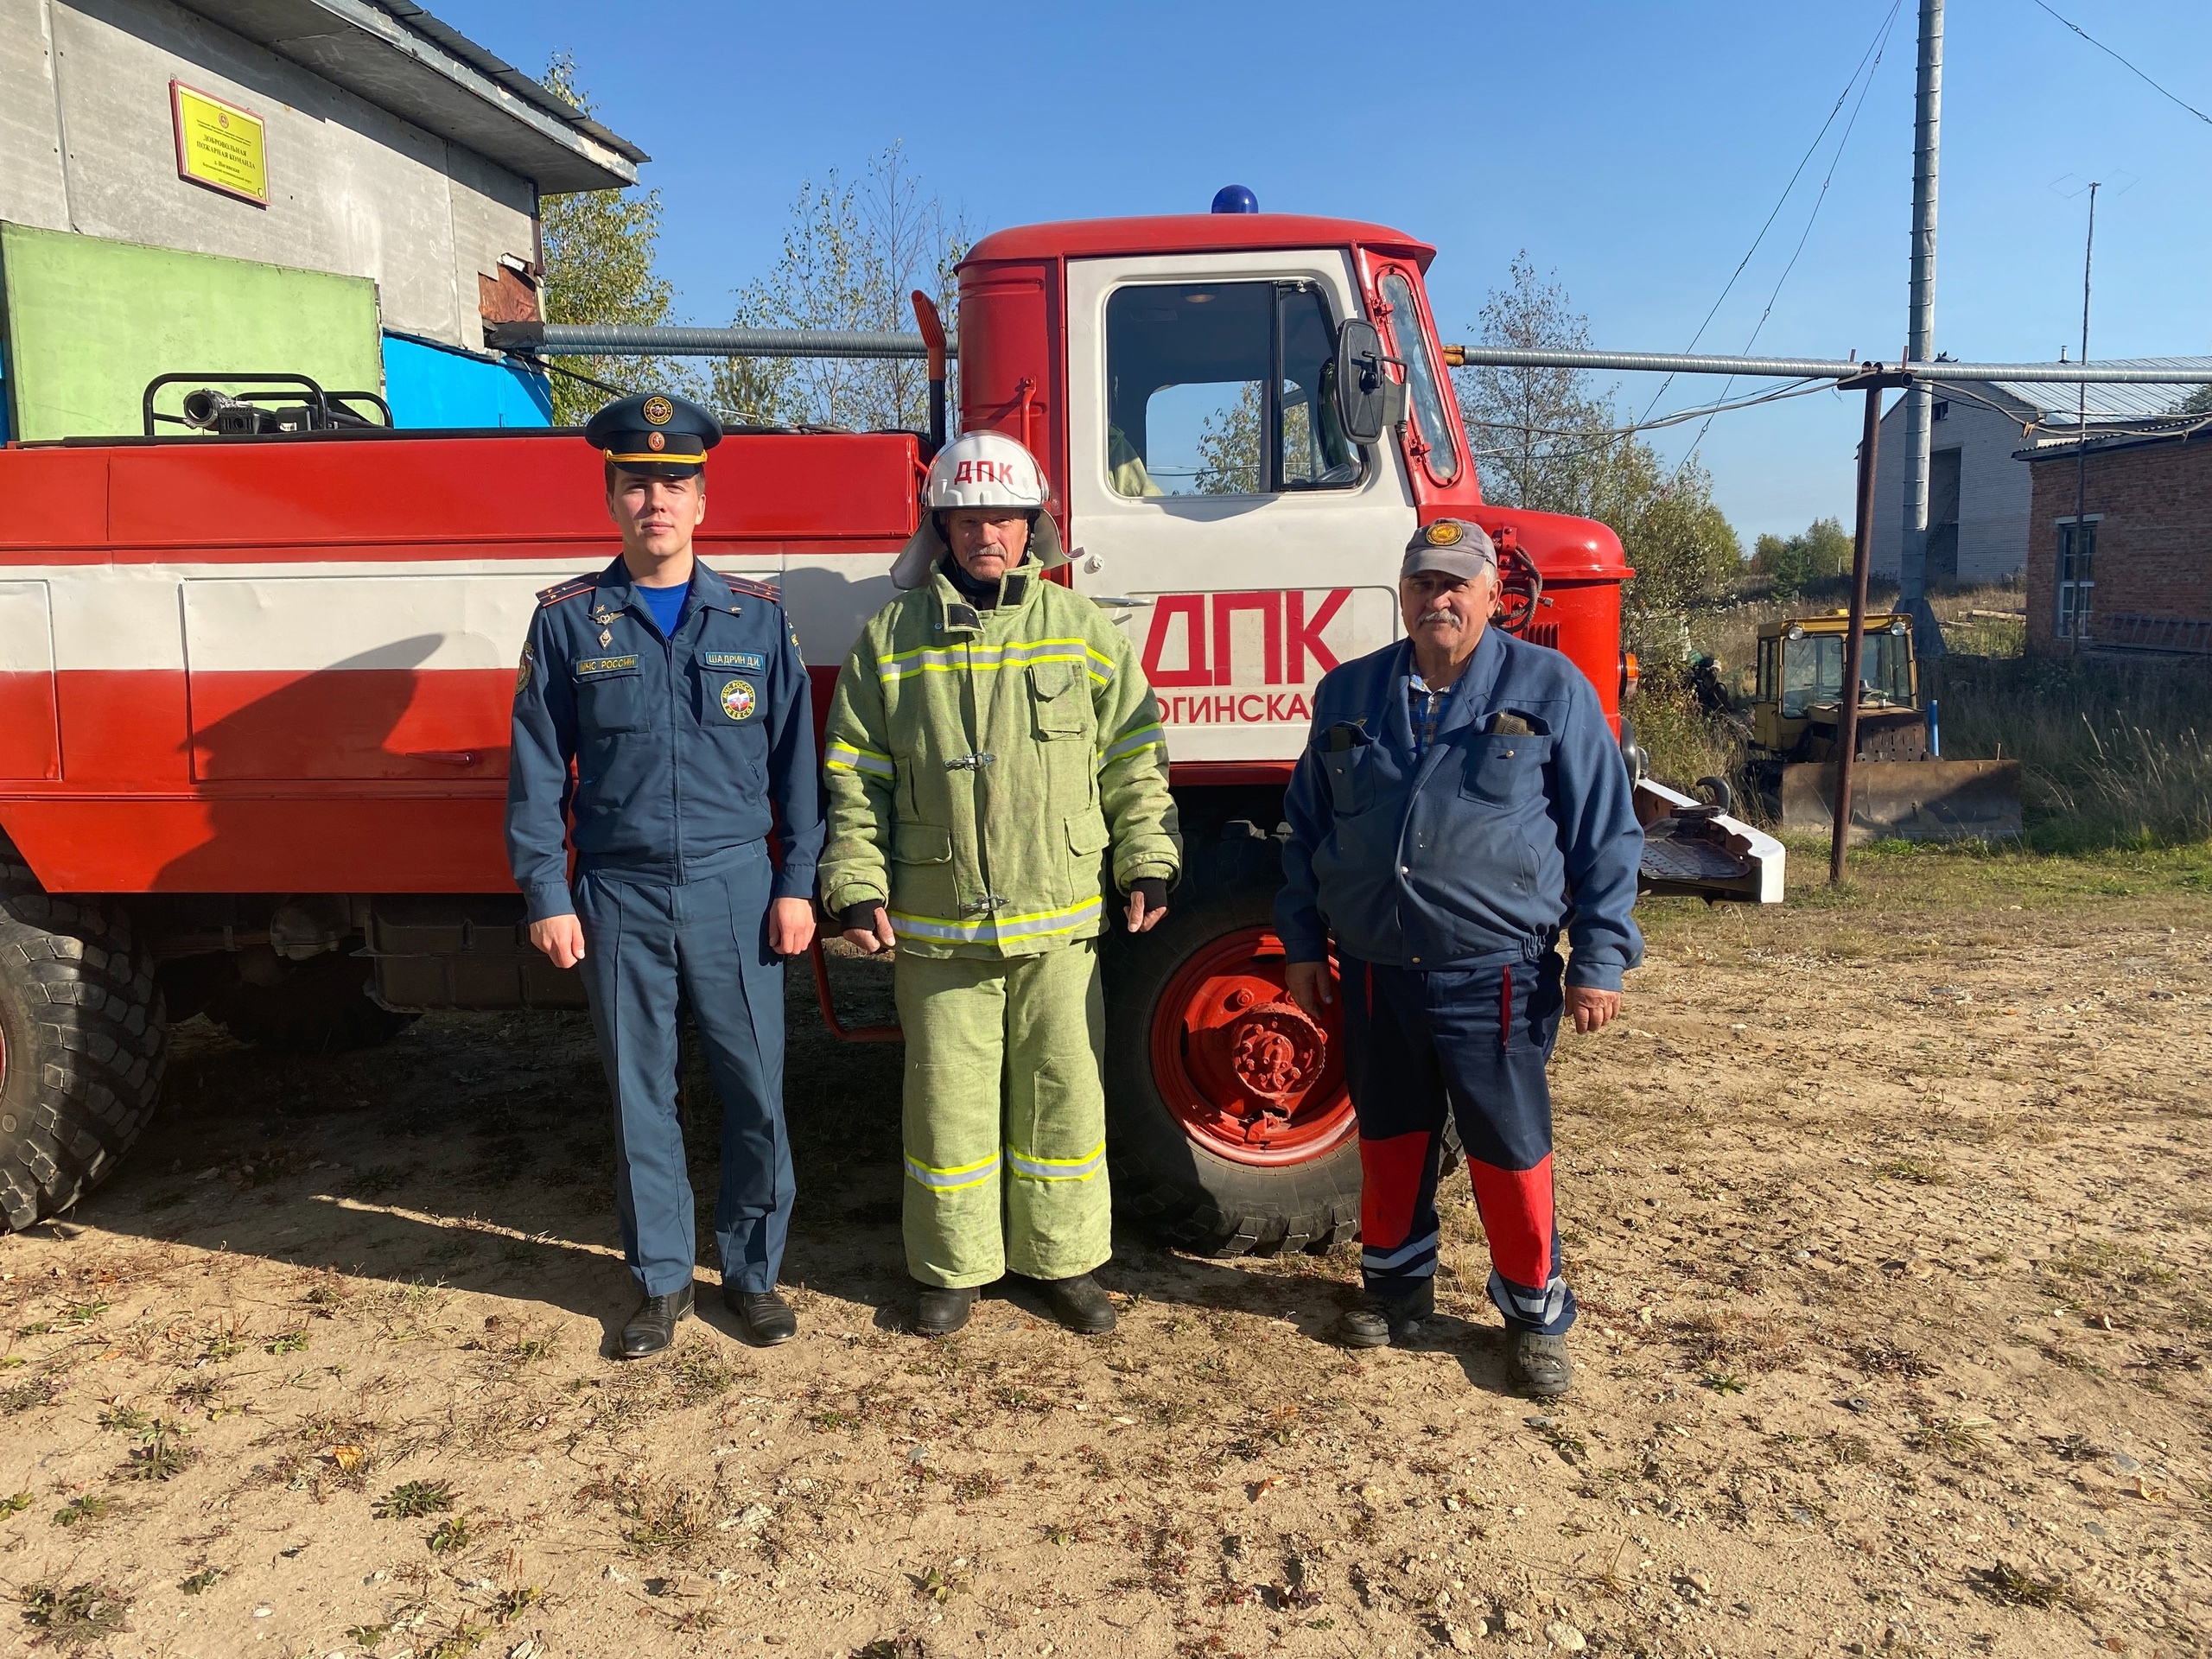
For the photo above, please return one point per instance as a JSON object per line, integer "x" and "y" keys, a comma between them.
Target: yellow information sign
{"x": 219, "y": 145}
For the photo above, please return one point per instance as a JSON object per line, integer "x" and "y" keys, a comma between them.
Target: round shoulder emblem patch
{"x": 738, "y": 700}
{"x": 1444, "y": 533}
{"x": 658, "y": 410}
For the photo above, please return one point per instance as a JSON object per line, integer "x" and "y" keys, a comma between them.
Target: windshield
{"x": 1812, "y": 672}
{"x": 1421, "y": 381}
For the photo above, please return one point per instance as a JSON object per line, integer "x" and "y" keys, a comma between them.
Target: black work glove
{"x": 1152, "y": 890}
{"x": 861, "y": 915}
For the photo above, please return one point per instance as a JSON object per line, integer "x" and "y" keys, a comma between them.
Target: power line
{"x": 1804, "y": 236}
{"x": 1874, "y": 51}
{"x": 2130, "y": 67}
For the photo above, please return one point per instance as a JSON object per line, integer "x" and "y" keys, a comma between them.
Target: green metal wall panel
{"x": 90, "y": 321}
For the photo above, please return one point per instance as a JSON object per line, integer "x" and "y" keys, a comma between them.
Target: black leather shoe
{"x": 941, "y": 1311}
{"x": 1539, "y": 1364}
{"x": 1379, "y": 1321}
{"x": 652, "y": 1327}
{"x": 766, "y": 1316}
{"x": 1080, "y": 1304}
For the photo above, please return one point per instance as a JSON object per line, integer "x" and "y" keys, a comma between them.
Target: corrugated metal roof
{"x": 2057, "y": 403}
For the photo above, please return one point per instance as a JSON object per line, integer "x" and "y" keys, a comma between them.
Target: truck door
{"x": 1210, "y": 488}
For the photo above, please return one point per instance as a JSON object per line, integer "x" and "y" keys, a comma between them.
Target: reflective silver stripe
{"x": 1382, "y": 1260}
{"x": 857, "y": 760}
{"x": 1143, "y": 738}
{"x": 1058, "y": 1169}
{"x": 928, "y": 659}
{"x": 953, "y": 1180}
{"x": 998, "y": 929}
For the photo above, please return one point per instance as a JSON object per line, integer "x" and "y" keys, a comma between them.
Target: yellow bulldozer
{"x": 1901, "y": 786}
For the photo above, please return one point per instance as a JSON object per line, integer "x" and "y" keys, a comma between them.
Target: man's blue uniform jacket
{"x": 1483, "y": 850}
{"x": 683, "y": 748}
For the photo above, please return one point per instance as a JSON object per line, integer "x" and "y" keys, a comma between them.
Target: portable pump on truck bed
{"x": 254, "y": 715}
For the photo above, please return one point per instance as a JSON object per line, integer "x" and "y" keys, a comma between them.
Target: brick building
{"x": 2129, "y": 568}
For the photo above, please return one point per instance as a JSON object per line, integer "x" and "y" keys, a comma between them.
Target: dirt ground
{"x": 1889, "y": 1212}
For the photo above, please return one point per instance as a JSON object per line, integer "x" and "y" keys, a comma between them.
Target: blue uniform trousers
{"x": 708, "y": 938}
{"x": 1418, "y": 1043}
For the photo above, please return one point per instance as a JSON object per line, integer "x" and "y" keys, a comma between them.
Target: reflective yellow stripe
{"x": 1143, "y": 738}
{"x": 984, "y": 660}
{"x": 1038, "y": 924}
{"x": 1058, "y": 1169}
{"x": 852, "y": 757}
{"x": 952, "y": 1181}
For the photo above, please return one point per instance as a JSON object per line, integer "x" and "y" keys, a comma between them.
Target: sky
{"x": 1632, "y": 147}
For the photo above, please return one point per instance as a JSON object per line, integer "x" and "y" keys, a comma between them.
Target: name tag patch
{"x": 592, "y": 665}
{"x": 745, "y": 662}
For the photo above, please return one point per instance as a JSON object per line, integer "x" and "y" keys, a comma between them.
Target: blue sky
{"x": 1632, "y": 148}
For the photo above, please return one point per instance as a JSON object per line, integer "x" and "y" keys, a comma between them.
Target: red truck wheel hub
{"x": 1247, "y": 1073}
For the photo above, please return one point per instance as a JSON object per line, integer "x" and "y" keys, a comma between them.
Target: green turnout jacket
{"x": 981, "y": 765}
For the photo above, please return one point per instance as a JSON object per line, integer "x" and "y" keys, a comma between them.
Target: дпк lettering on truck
{"x": 255, "y": 684}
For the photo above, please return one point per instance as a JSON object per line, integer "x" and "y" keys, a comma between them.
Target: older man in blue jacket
{"x": 1460, "y": 803}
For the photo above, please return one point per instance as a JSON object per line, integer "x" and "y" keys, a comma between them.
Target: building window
{"x": 1942, "y": 411}
{"x": 2077, "y": 553}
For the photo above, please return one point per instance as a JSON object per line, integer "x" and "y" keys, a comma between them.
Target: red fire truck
{"x": 254, "y": 686}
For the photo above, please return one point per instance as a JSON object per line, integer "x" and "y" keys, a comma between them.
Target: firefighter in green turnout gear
{"x": 993, "y": 747}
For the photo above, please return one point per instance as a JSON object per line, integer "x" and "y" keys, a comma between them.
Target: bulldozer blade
{"x": 1907, "y": 800}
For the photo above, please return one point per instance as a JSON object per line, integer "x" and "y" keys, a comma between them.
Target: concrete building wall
{"x": 1994, "y": 491}
{"x": 86, "y": 144}
{"x": 2152, "y": 506}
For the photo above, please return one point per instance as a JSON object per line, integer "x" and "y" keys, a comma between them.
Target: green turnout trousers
{"x": 1005, "y": 1115}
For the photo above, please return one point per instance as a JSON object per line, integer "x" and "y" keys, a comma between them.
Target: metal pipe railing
{"x": 1820, "y": 368}
{"x": 613, "y": 339}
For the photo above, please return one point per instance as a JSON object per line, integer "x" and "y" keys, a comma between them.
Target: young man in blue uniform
{"x": 680, "y": 700}
{"x": 1461, "y": 802}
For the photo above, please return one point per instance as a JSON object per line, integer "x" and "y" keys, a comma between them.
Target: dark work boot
{"x": 766, "y": 1316}
{"x": 1538, "y": 1364}
{"x": 1080, "y": 1304}
{"x": 1378, "y": 1321}
{"x": 943, "y": 1310}
{"x": 652, "y": 1327}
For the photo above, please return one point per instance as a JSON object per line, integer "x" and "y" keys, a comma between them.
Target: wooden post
{"x": 1854, "y": 642}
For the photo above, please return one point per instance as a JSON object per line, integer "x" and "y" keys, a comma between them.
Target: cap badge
{"x": 737, "y": 700}
{"x": 1444, "y": 534}
{"x": 657, "y": 411}
{"x": 656, "y": 441}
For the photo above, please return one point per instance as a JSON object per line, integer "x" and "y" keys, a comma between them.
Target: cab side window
{"x": 1224, "y": 389}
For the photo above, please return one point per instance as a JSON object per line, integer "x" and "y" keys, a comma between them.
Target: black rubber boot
{"x": 1378, "y": 1321}
{"x": 942, "y": 1310}
{"x": 1080, "y": 1304}
{"x": 766, "y": 1316}
{"x": 1539, "y": 1364}
{"x": 652, "y": 1327}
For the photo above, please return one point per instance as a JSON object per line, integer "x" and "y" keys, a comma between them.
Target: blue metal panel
{"x": 432, "y": 385}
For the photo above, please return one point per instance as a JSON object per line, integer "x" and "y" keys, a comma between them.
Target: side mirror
{"x": 1363, "y": 391}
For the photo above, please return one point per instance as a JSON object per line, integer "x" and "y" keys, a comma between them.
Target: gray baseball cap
{"x": 1451, "y": 545}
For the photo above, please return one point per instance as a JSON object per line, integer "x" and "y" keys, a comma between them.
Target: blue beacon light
{"x": 1235, "y": 199}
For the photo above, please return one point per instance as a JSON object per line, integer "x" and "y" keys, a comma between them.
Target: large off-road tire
{"x": 1190, "y": 1007}
{"x": 83, "y": 1039}
{"x": 321, "y": 1006}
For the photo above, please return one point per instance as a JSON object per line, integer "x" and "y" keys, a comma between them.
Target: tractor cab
{"x": 1795, "y": 708}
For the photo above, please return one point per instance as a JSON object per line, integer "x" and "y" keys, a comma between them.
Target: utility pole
{"x": 2079, "y": 534}
{"x": 1920, "y": 330}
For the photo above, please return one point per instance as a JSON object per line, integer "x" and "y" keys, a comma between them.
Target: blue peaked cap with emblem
{"x": 655, "y": 432}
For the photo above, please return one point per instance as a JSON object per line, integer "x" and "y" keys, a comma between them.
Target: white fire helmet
{"x": 979, "y": 469}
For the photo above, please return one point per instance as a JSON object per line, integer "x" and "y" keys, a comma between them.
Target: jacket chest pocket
{"x": 1504, "y": 769}
{"x": 610, "y": 696}
{"x": 729, "y": 691}
{"x": 1059, "y": 708}
{"x": 1351, "y": 772}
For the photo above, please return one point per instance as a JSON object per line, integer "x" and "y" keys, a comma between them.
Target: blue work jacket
{"x": 1484, "y": 849}
{"x": 681, "y": 749}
